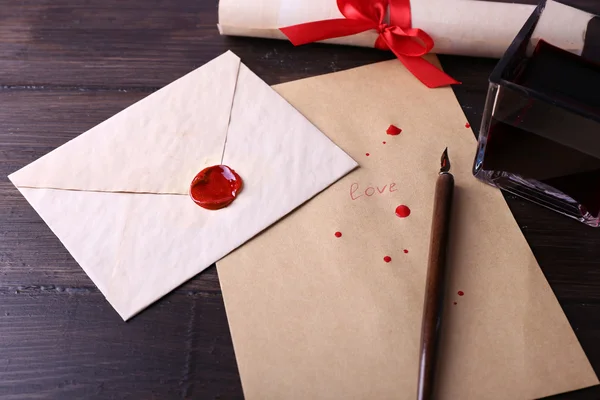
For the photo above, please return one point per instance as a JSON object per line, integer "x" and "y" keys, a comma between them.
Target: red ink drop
{"x": 387, "y": 259}
{"x": 455, "y": 303}
{"x": 367, "y": 154}
{"x": 405, "y": 251}
{"x": 338, "y": 234}
{"x": 383, "y": 142}
{"x": 402, "y": 211}
{"x": 215, "y": 187}
{"x": 393, "y": 130}
{"x": 467, "y": 125}
{"x": 461, "y": 293}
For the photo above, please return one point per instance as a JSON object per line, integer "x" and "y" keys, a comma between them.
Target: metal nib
{"x": 445, "y": 163}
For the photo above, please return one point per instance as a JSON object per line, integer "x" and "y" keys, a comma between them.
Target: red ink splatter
{"x": 387, "y": 259}
{"x": 367, "y": 154}
{"x": 402, "y": 211}
{"x": 461, "y": 293}
{"x": 405, "y": 251}
{"x": 338, "y": 234}
{"x": 455, "y": 303}
{"x": 467, "y": 125}
{"x": 384, "y": 142}
{"x": 393, "y": 130}
{"x": 215, "y": 187}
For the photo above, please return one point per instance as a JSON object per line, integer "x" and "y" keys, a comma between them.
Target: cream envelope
{"x": 117, "y": 195}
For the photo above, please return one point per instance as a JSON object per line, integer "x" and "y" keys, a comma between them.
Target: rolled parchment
{"x": 460, "y": 27}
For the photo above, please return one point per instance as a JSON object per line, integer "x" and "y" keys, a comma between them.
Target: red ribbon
{"x": 407, "y": 43}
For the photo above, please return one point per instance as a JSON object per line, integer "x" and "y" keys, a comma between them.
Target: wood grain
{"x": 66, "y": 65}
{"x": 70, "y": 344}
{"x": 120, "y": 44}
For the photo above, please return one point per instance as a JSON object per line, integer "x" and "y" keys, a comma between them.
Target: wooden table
{"x": 67, "y": 65}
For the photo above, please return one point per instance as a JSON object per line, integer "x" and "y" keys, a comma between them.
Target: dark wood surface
{"x": 65, "y": 66}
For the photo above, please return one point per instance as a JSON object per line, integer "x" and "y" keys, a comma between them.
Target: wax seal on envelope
{"x": 215, "y": 187}
{"x": 117, "y": 196}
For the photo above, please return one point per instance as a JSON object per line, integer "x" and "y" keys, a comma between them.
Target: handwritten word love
{"x": 356, "y": 192}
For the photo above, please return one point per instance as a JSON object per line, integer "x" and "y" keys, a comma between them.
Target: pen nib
{"x": 445, "y": 162}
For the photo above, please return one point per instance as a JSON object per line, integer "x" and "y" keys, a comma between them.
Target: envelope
{"x": 117, "y": 195}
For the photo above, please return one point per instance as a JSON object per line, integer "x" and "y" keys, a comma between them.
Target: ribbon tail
{"x": 322, "y": 30}
{"x": 429, "y": 74}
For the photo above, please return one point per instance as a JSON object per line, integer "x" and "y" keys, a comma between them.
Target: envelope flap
{"x": 157, "y": 145}
{"x": 289, "y": 158}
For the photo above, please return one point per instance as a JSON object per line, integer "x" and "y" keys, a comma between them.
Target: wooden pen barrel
{"x": 434, "y": 288}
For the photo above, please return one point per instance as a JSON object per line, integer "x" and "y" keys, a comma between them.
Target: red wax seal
{"x": 215, "y": 187}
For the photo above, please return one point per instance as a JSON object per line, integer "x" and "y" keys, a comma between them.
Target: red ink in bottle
{"x": 539, "y": 137}
{"x": 215, "y": 187}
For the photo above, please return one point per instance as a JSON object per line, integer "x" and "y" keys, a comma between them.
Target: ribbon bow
{"x": 407, "y": 43}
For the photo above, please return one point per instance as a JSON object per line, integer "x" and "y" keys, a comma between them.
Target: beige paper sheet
{"x": 314, "y": 316}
